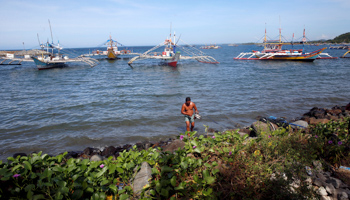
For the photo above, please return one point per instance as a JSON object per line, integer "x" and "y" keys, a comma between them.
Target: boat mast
{"x": 51, "y": 37}
{"x": 265, "y": 40}
{"x": 304, "y": 38}
{"x": 280, "y": 39}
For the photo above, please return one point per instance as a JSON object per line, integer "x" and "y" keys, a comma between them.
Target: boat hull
{"x": 309, "y": 57}
{"x": 111, "y": 54}
{"x": 48, "y": 65}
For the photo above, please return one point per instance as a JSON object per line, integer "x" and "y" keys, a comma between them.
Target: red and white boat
{"x": 171, "y": 55}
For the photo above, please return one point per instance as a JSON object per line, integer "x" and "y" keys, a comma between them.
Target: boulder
{"x": 141, "y": 178}
{"x": 96, "y": 158}
{"x": 173, "y": 146}
{"x": 109, "y": 151}
{"x": 260, "y": 127}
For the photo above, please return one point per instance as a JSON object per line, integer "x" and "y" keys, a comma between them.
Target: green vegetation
{"x": 342, "y": 38}
{"x": 223, "y": 166}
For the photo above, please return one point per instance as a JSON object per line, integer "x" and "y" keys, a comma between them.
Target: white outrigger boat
{"x": 274, "y": 51}
{"x": 112, "y": 52}
{"x": 171, "y": 54}
{"x": 57, "y": 60}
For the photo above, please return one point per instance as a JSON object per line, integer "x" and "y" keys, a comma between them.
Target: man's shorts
{"x": 189, "y": 118}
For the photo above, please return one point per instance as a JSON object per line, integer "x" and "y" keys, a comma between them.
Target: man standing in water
{"x": 187, "y": 110}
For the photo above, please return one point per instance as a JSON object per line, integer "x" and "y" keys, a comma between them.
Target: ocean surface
{"x": 69, "y": 109}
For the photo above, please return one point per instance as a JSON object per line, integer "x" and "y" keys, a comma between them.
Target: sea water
{"x": 69, "y": 109}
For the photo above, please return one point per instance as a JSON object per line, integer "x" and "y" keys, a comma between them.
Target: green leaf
{"x": 166, "y": 169}
{"x": 48, "y": 184}
{"x": 195, "y": 178}
{"x": 123, "y": 196}
{"x": 77, "y": 194}
{"x": 207, "y": 192}
{"x": 90, "y": 190}
{"x": 104, "y": 182}
{"x": 38, "y": 196}
{"x": 164, "y": 192}
{"x": 61, "y": 183}
{"x": 101, "y": 172}
{"x": 29, "y": 187}
{"x": 16, "y": 167}
{"x": 27, "y": 165}
{"x": 3, "y": 171}
{"x": 180, "y": 186}
{"x": 207, "y": 165}
{"x": 30, "y": 194}
{"x": 113, "y": 188}
{"x": 209, "y": 180}
{"x": 75, "y": 177}
{"x": 184, "y": 165}
{"x": 64, "y": 190}
{"x": 10, "y": 159}
{"x": 120, "y": 170}
{"x": 199, "y": 149}
{"x": 173, "y": 181}
{"x": 194, "y": 143}
{"x": 112, "y": 168}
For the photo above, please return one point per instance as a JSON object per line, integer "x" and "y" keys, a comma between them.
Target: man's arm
{"x": 195, "y": 108}
{"x": 183, "y": 110}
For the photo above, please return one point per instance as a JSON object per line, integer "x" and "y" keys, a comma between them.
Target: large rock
{"x": 96, "y": 158}
{"x": 141, "y": 178}
{"x": 260, "y": 127}
{"x": 109, "y": 151}
{"x": 173, "y": 146}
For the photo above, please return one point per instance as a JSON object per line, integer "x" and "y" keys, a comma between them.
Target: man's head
{"x": 188, "y": 101}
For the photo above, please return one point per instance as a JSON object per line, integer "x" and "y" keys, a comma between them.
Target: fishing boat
{"x": 112, "y": 52}
{"x": 54, "y": 59}
{"x": 348, "y": 52}
{"x": 210, "y": 47}
{"x": 274, "y": 51}
{"x": 171, "y": 55}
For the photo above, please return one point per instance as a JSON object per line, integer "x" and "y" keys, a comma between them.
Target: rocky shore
{"x": 329, "y": 182}
{"x": 314, "y": 116}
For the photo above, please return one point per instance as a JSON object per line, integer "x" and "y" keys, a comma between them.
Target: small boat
{"x": 47, "y": 63}
{"x": 112, "y": 52}
{"x": 112, "y": 49}
{"x": 348, "y": 52}
{"x": 171, "y": 55}
{"x": 55, "y": 59}
{"x": 210, "y": 47}
{"x": 274, "y": 51}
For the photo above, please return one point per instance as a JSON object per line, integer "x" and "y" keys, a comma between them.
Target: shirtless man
{"x": 187, "y": 110}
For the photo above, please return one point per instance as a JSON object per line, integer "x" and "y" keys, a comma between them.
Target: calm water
{"x": 112, "y": 104}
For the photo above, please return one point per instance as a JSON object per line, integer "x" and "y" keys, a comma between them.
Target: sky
{"x": 89, "y": 23}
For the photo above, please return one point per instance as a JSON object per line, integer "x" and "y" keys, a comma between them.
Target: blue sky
{"x": 88, "y": 23}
